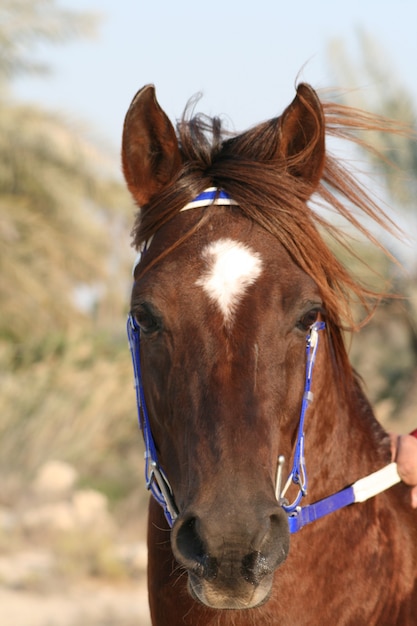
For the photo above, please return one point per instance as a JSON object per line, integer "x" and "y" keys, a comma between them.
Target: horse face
{"x": 224, "y": 315}
{"x": 223, "y": 324}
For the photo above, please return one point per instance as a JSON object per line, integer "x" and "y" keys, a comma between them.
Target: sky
{"x": 244, "y": 57}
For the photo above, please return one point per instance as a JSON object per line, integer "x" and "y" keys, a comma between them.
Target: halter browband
{"x": 298, "y": 516}
{"x": 211, "y": 196}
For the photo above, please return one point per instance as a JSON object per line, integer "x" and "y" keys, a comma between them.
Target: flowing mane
{"x": 275, "y": 198}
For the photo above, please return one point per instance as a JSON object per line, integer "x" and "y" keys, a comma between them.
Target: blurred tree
{"x": 65, "y": 383}
{"x": 24, "y": 24}
{"x": 389, "y": 98}
{"x": 387, "y": 351}
{"x": 58, "y": 193}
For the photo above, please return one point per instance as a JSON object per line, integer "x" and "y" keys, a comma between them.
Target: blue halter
{"x": 157, "y": 482}
{"x": 298, "y": 474}
{"x": 155, "y": 478}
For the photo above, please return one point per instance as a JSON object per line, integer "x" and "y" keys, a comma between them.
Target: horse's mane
{"x": 268, "y": 194}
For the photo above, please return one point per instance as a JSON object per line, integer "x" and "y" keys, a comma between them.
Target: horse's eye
{"x": 146, "y": 320}
{"x": 308, "y": 319}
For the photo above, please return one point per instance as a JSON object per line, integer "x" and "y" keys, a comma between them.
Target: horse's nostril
{"x": 209, "y": 568}
{"x": 188, "y": 540}
{"x": 255, "y": 566}
{"x": 192, "y": 552}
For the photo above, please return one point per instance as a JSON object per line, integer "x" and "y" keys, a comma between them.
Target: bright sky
{"x": 243, "y": 56}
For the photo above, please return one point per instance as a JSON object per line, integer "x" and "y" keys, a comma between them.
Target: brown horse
{"x": 227, "y": 288}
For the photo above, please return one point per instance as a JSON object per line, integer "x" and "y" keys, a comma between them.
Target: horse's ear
{"x": 150, "y": 153}
{"x": 302, "y": 136}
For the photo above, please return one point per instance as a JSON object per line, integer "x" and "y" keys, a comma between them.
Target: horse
{"x": 239, "y": 312}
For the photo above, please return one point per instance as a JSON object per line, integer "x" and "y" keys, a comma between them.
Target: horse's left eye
{"x": 146, "y": 320}
{"x": 308, "y": 319}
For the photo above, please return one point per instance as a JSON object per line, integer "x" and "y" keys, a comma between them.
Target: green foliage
{"x": 57, "y": 221}
{"x": 66, "y": 383}
{"x": 385, "y": 352}
{"x": 28, "y": 23}
{"x": 388, "y": 98}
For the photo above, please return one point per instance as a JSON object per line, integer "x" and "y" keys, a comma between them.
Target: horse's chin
{"x": 233, "y": 597}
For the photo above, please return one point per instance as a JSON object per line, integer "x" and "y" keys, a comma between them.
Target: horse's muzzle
{"x": 231, "y": 565}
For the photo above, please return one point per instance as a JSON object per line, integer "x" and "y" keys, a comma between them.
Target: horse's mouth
{"x": 232, "y": 595}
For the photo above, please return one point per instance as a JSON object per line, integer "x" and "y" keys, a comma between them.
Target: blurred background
{"x": 72, "y": 499}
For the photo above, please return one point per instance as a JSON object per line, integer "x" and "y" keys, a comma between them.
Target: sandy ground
{"x": 87, "y": 605}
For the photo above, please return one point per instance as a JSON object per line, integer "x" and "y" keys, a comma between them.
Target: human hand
{"x": 404, "y": 453}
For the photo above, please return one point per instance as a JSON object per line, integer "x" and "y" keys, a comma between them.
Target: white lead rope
{"x": 375, "y": 483}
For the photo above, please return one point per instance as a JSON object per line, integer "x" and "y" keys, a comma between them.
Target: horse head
{"x": 223, "y": 310}
{"x": 232, "y": 278}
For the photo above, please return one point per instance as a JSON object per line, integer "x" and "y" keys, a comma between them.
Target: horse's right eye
{"x": 147, "y": 321}
{"x": 308, "y": 319}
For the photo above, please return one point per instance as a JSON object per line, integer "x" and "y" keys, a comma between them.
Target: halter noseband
{"x": 157, "y": 482}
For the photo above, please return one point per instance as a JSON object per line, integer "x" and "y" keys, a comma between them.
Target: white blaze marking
{"x": 231, "y": 268}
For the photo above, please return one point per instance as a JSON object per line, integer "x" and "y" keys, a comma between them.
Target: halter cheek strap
{"x": 298, "y": 474}
{"x": 361, "y": 490}
{"x": 156, "y": 480}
